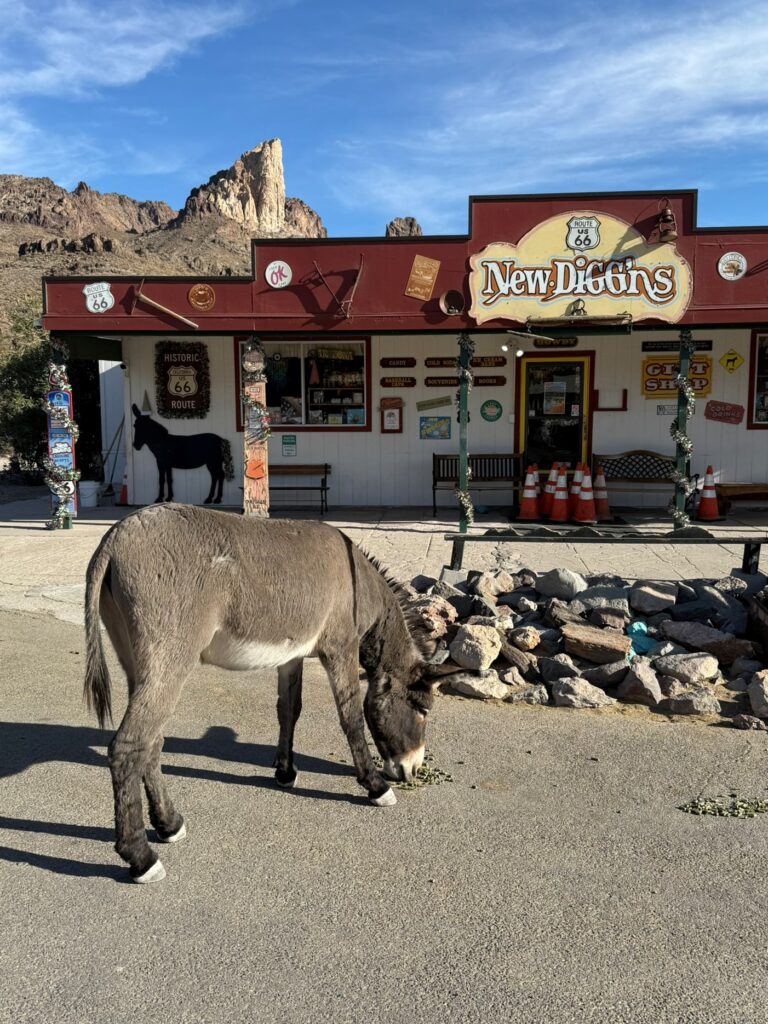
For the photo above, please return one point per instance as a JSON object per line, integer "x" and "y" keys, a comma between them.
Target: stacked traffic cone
{"x": 529, "y": 506}
{"x": 545, "y": 505}
{"x": 123, "y": 499}
{"x": 575, "y": 487}
{"x": 559, "y": 512}
{"x": 536, "y": 480}
{"x": 585, "y": 503}
{"x": 708, "y": 508}
{"x": 602, "y": 508}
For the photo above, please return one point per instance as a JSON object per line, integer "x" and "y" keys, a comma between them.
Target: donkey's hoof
{"x": 386, "y": 799}
{"x": 154, "y": 874}
{"x": 175, "y": 836}
{"x": 286, "y": 777}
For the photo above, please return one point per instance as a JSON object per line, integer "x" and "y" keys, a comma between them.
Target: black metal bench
{"x": 486, "y": 472}
{"x": 605, "y": 535}
{"x": 641, "y": 470}
{"x": 321, "y": 470}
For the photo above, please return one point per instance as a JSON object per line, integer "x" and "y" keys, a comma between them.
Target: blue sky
{"x": 395, "y": 108}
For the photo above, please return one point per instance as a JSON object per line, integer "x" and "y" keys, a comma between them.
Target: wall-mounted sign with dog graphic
{"x": 177, "y": 451}
{"x": 182, "y": 379}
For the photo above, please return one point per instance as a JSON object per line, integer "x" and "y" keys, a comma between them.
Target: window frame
{"x": 240, "y": 341}
{"x": 752, "y": 423}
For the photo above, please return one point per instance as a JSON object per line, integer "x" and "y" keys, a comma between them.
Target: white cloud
{"x": 79, "y": 48}
{"x": 586, "y": 110}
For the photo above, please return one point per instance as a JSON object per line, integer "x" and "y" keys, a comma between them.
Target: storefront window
{"x": 318, "y": 383}
{"x": 758, "y": 413}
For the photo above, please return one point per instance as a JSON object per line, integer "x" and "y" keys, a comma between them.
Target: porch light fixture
{"x": 666, "y": 224}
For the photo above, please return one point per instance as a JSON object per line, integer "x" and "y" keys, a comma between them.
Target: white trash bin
{"x": 88, "y": 491}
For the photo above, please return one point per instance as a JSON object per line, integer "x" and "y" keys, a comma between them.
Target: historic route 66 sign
{"x": 583, "y": 233}
{"x": 98, "y": 297}
{"x": 182, "y": 380}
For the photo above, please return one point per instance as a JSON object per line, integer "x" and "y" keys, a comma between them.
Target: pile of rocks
{"x": 587, "y": 642}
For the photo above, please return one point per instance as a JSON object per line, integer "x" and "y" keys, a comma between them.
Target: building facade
{"x": 575, "y": 305}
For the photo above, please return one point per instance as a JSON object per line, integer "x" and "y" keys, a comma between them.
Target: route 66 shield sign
{"x": 98, "y": 297}
{"x": 583, "y": 233}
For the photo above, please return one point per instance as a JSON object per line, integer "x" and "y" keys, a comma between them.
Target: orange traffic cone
{"x": 708, "y": 508}
{"x": 602, "y": 508}
{"x": 529, "y": 506}
{"x": 575, "y": 487}
{"x": 536, "y": 480}
{"x": 585, "y": 503}
{"x": 123, "y": 499}
{"x": 559, "y": 512}
{"x": 545, "y": 505}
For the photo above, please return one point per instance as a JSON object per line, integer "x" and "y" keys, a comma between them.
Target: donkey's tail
{"x": 97, "y": 689}
{"x": 226, "y": 458}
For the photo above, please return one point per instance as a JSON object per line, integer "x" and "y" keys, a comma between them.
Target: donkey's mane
{"x": 413, "y": 621}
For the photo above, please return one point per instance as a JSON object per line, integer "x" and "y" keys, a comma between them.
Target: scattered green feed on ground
{"x": 732, "y": 806}
{"x": 427, "y": 775}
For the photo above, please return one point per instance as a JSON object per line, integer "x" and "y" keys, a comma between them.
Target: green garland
{"x": 258, "y": 412}
{"x": 202, "y": 367}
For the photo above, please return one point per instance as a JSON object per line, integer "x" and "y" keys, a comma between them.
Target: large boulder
{"x": 578, "y": 693}
{"x": 649, "y": 598}
{"x": 696, "y": 636}
{"x": 613, "y": 598}
{"x": 561, "y": 583}
{"x": 485, "y": 685}
{"x": 758, "y": 693}
{"x": 640, "y": 685}
{"x": 528, "y": 695}
{"x": 436, "y": 614}
{"x": 701, "y": 701}
{"x": 598, "y": 645}
{"x": 560, "y": 666}
{"x": 476, "y": 647}
{"x": 691, "y": 669}
{"x": 609, "y": 674}
{"x": 525, "y": 638}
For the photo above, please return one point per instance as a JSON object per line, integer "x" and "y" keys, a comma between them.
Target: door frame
{"x": 585, "y": 356}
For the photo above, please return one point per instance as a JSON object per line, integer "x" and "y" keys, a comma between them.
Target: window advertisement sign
{"x": 582, "y": 255}
{"x": 659, "y": 374}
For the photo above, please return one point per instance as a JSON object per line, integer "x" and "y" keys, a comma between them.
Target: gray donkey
{"x": 177, "y": 585}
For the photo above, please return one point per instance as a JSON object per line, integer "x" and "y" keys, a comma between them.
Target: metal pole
{"x": 464, "y": 357}
{"x": 681, "y": 455}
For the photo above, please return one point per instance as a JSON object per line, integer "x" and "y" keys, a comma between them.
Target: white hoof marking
{"x": 387, "y": 799}
{"x": 154, "y": 874}
{"x": 287, "y": 785}
{"x": 176, "y": 835}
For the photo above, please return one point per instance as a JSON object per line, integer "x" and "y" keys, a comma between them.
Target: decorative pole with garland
{"x": 686, "y": 402}
{"x": 463, "y": 367}
{"x": 60, "y": 473}
{"x": 255, "y": 432}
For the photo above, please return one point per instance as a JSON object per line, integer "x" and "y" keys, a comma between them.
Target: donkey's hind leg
{"x": 134, "y": 756}
{"x": 289, "y": 678}
{"x": 167, "y": 821}
{"x": 344, "y": 673}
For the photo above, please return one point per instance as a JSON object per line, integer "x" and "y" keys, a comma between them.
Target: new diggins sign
{"x": 593, "y": 257}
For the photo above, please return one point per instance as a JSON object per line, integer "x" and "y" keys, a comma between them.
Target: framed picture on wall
{"x": 392, "y": 420}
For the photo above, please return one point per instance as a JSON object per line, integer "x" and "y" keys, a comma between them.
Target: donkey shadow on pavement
{"x": 24, "y": 745}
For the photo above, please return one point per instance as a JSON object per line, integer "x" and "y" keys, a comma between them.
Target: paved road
{"x": 553, "y": 880}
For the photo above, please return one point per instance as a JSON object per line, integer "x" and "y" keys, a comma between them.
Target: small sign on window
{"x": 289, "y": 445}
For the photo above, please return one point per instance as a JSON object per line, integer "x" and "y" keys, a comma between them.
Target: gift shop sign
{"x": 659, "y": 376}
{"x": 597, "y": 258}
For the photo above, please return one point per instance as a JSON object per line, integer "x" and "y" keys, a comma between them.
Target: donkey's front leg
{"x": 161, "y": 481}
{"x": 344, "y": 672}
{"x": 289, "y": 677}
{"x": 169, "y": 478}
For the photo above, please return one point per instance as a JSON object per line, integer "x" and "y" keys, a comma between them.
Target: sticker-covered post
{"x": 466, "y": 350}
{"x": 256, "y": 432}
{"x": 60, "y": 472}
{"x": 679, "y": 430}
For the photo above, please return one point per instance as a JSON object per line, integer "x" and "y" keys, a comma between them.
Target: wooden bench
{"x": 728, "y": 493}
{"x": 487, "y": 471}
{"x": 639, "y": 470}
{"x": 321, "y": 470}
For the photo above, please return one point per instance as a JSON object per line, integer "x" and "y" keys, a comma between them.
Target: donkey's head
{"x": 396, "y": 708}
{"x": 145, "y": 429}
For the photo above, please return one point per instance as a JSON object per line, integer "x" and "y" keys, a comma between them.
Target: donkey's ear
{"x": 136, "y": 410}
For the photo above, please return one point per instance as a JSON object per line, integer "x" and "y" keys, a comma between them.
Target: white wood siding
{"x": 396, "y": 469}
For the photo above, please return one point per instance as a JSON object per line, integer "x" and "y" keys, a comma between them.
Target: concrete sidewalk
{"x": 44, "y": 571}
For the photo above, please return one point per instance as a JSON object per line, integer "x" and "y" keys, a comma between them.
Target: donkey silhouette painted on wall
{"x": 179, "y": 451}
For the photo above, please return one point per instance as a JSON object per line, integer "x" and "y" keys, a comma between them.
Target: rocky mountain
{"x": 44, "y": 229}
{"x": 403, "y": 227}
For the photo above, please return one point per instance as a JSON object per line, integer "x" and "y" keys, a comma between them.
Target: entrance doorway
{"x": 554, "y": 408}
